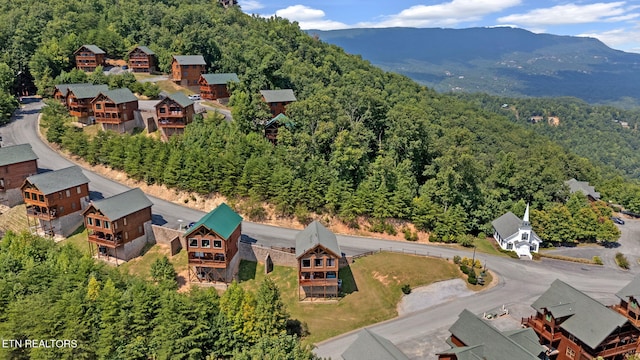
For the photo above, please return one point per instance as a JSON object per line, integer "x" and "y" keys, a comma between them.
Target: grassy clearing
{"x": 141, "y": 265}
{"x": 14, "y": 219}
{"x": 486, "y": 245}
{"x": 171, "y": 87}
{"x": 79, "y": 239}
{"x": 372, "y": 285}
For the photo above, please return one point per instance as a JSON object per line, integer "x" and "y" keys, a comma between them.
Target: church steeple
{"x": 525, "y": 219}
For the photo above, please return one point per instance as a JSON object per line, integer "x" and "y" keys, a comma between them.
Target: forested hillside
{"x": 365, "y": 142}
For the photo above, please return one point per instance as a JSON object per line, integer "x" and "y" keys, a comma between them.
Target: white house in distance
{"x": 514, "y": 234}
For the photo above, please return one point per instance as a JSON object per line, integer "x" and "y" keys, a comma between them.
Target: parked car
{"x": 617, "y": 220}
{"x": 194, "y": 97}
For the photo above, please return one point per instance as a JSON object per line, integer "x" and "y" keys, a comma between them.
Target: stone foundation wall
{"x": 257, "y": 253}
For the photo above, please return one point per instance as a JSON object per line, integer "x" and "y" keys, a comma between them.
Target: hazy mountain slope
{"x": 503, "y": 61}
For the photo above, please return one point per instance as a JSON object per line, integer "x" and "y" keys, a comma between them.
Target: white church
{"x": 514, "y": 234}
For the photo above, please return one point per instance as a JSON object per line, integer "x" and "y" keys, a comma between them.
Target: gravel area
{"x": 434, "y": 294}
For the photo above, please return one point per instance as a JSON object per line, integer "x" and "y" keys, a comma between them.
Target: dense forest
{"x": 49, "y": 292}
{"x": 366, "y": 142}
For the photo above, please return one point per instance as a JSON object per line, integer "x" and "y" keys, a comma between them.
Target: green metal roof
{"x": 220, "y": 79}
{"x": 16, "y": 154}
{"x": 94, "y": 49}
{"x": 82, "y": 91}
{"x": 582, "y": 186}
{"x": 271, "y": 96}
{"x": 281, "y": 119}
{"x": 316, "y": 234}
{"x": 123, "y": 204}
{"x": 190, "y": 59}
{"x": 589, "y": 320}
{"x": 473, "y": 331}
{"x": 120, "y": 96}
{"x": 180, "y": 98}
{"x": 58, "y": 180}
{"x": 63, "y": 88}
{"x": 144, "y": 49}
{"x": 372, "y": 346}
{"x": 221, "y": 220}
{"x": 631, "y": 290}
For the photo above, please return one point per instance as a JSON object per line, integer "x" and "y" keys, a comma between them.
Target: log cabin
{"x": 118, "y": 225}
{"x": 186, "y": 69}
{"x": 55, "y": 200}
{"x": 114, "y": 110}
{"x": 271, "y": 127}
{"x": 142, "y": 60}
{"x": 60, "y": 91}
{"x": 371, "y": 346}
{"x": 174, "y": 113}
{"x": 318, "y": 256}
{"x": 629, "y": 297}
{"x": 278, "y": 100}
{"x": 79, "y": 101}
{"x": 212, "y": 246}
{"x": 88, "y": 57}
{"x": 17, "y": 163}
{"x": 214, "y": 86}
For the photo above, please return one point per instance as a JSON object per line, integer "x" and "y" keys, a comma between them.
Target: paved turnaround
{"x": 520, "y": 281}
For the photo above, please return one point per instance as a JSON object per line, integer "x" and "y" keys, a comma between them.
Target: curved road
{"x": 520, "y": 281}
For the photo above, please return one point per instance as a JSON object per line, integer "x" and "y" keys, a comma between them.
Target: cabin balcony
{"x": 79, "y": 111}
{"x": 620, "y": 349}
{"x": 177, "y": 122}
{"x": 42, "y": 212}
{"x": 318, "y": 282}
{"x": 105, "y": 238}
{"x": 542, "y": 329}
{"x": 633, "y": 317}
{"x": 109, "y": 117}
{"x": 207, "y": 260}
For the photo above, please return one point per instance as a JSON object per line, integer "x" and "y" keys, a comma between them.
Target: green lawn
{"x": 79, "y": 239}
{"x": 372, "y": 286}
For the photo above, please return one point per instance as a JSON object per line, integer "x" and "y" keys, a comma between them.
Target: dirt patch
{"x": 383, "y": 279}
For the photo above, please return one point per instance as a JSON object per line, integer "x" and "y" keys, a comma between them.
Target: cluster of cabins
{"x": 118, "y": 109}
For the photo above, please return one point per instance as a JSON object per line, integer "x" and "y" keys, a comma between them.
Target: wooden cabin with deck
{"x": 142, "y": 60}
{"x": 61, "y": 91}
{"x": 212, "y": 246}
{"x": 278, "y": 100}
{"x": 186, "y": 69}
{"x": 114, "y": 110}
{"x": 629, "y": 297}
{"x": 118, "y": 225}
{"x": 214, "y": 86}
{"x": 174, "y": 113}
{"x": 17, "y": 162}
{"x": 88, "y": 57}
{"x": 572, "y": 325}
{"x": 318, "y": 256}
{"x": 79, "y": 100}
{"x": 55, "y": 201}
{"x": 271, "y": 127}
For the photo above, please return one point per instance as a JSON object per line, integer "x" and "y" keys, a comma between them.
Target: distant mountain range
{"x": 500, "y": 61}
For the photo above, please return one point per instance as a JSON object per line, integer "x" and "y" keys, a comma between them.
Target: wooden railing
{"x": 318, "y": 282}
{"x": 208, "y": 262}
{"x": 104, "y": 242}
{"x": 42, "y": 215}
{"x": 618, "y": 350}
{"x": 538, "y": 326}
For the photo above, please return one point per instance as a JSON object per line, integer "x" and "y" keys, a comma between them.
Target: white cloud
{"x": 249, "y": 5}
{"x": 445, "y": 14}
{"x": 624, "y": 39}
{"x": 569, "y": 14}
{"x": 309, "y": 18}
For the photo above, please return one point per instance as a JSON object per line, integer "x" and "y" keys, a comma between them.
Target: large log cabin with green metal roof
{"x": 142, "y": 60}
{"x": 186, "y": 69}
{"x": 55, "y": 201}
{"x": 278, "y": 100}
{"x": 118, "y": 226}
{"x": 78, "y": 100}
{"x": 318, "y": 256}
{"x": 212, "y": 246}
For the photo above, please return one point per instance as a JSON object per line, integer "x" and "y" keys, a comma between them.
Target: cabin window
{"x": 59, "y": 194}
{"x": 570, "y": 353}
{"x": 68, "y": 193}
{"x": 125, "y": 221}
{"x": 79, "y": 190}
{"x": 90, "y": 221}
{"x": 193, "y": 242}
{"x": 115, "y": 225}
{"x": 73, "y": 206}
{"x": 525, "y": 236}
{"x": 34, "y": 196}
{"x": 140, "y": 229}
{"x": 124, "y": 106}
{"x": 98, "y": 223}
{"x": 533, "y": 248}
{"x": 317, "y": 262}
{"x": 162, "y": 110}
{"x": 106, "y": 225}
{"x": 331, "y": 262}
{"x": 217, "y": 243}
{"x": 41, "y": 198}
{"x": 126, "y": 235}
{"x": 98, "y": 106}
{"x": 331, "y": 274}
{"x": 306, "y": 263}
{"x": 26, "y": 195}
{"x": 206, "y": 243}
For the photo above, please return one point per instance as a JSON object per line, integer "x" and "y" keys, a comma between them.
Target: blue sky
{"x": 616, "y": 23}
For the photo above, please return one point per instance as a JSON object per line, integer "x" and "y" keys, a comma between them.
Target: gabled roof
{"x": 316, "y": 234}
{"x": 582, "y": 186}
{"x": 281, "y": 119}
{"x": 16, "y": 154}
{"x": 94, "y": 49}
{"x": 220, "y": 79}
{"x": 285, "y": 95}
{"x": 179, "y": 98}
{"x": 82, "y": 91}
{"x": 486, "y": 342}
{"x": 63, "y": 88}
{"x": 631, "y": 290}
{"x": 120, "y": 96}
{"x": 144, "y": 49}
{"x": 221, "y": 220}
{"x": 189, "y": 59}
{"x": 58, "y": 180}
{"x": 372, "y": 346}
{"x": 589, "y": 320}
{"x": 121, "y": 205}
{"x": 507, "y": 224}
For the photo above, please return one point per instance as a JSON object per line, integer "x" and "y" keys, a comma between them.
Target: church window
{"x": 525, "y": 236}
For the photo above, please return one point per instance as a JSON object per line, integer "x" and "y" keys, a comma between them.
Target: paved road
{"x": 520, "y": 281}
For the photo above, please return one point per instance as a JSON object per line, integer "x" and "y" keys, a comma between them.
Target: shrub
{"x": 466, "y": 240}
{"x": 597, "y": 260}
{"x": 472, "y": 279}
{"x": 464, "y": 269}
{"x": 622, "y": 261}
{"x": 456, "y": 259}
{"x": 409, "y": 235}
{"x": 406, "y": 289}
